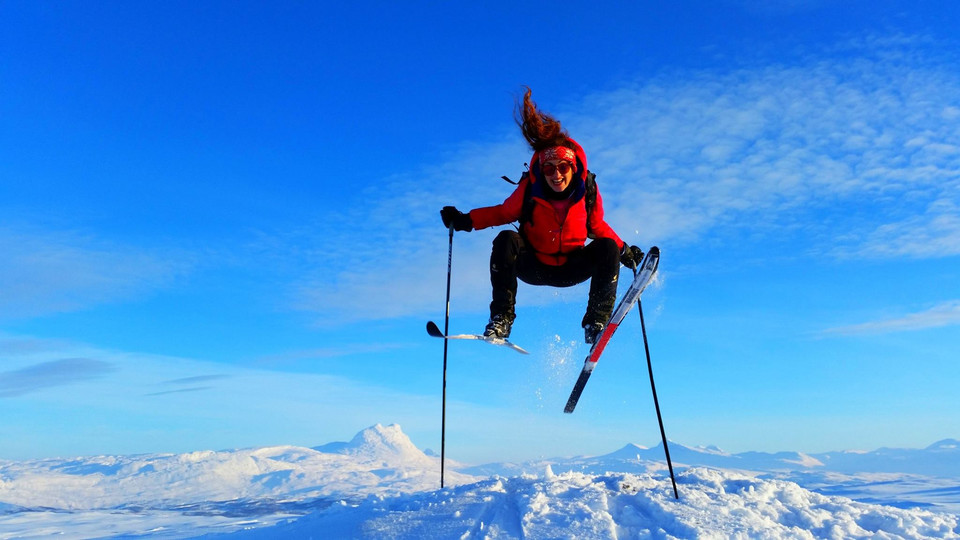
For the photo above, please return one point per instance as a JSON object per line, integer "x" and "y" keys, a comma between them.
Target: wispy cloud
{"x": 194, "y": 380}
{"x": 49, "y": 374}
{"x": 935, "y": 233}
{"x": 180, "y": 391}
{"x": 50, "y": 272}
{"x": 848, "y": 151}
{"x": 188, "y": 384}
{"x": 12, "y": 345}
{"x": 764, "y": 149}
{"x": 192, "y": 403}
{"x": 292, "y": 358}
{"x": 944, "y": 314}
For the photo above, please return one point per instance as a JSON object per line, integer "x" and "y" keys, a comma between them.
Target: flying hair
{"x": 539, "y": 128}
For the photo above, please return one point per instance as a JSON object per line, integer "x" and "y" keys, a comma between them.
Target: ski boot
{"x": 499, "y": 326}
{"x": 592, "y": 331}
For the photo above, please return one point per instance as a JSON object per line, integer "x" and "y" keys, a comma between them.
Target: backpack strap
{"x": 590, "y": 199}
{"x": 526, "y": 211}
{"x": 591, "y": 195}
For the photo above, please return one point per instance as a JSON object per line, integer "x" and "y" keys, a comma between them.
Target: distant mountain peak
{"x": 388, "y": 443}
{"x": 945, "y": 444}
{"x": 380, "y": 436}
{"x": 804, "y": 460}
{"x": 711, "y": 449}
{"x": 629, "y": 452}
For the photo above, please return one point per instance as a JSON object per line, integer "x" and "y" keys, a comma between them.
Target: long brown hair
{"x": 539, "y": 128}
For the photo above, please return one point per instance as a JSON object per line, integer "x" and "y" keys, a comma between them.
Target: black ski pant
{"x": 598, "y": 261}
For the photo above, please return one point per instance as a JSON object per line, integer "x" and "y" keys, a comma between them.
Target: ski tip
{"x": 577, "y": 389}
{"x": 652, "y": 259}
{"x": 433, "y": 329}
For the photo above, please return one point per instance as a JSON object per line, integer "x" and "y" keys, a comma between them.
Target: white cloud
{"x": 184, "y": 404}
{"x": 752, "y": 147}
{"x": 869, "y": 141}
{"x": 47, "y": 272}
{"x": 934, "y": 233}
{"x": 49, "y": 374}
{"x": 944, "y": 314}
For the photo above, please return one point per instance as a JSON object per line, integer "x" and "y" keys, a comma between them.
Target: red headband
{"x": 558, "y": 152}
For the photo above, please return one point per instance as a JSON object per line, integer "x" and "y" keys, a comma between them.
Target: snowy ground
{"x": 715, "y": 504}
{"x": 379, "y": 485}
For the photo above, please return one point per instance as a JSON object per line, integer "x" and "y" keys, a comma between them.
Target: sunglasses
{"x": 549, "y": 168}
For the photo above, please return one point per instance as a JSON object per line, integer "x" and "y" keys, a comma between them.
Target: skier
{"x": 555, "y": 207}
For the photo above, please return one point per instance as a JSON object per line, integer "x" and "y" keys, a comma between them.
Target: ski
{"x": 643, "y": 278}
{"x": 435, "y": 331}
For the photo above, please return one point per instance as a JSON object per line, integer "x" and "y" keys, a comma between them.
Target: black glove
{"x": 453, "y": 217}
{"x": 631, "y": 256}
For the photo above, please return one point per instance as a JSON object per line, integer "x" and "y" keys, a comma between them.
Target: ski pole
{"x": 656, "y": 402}
{"x": 446, "y": 332}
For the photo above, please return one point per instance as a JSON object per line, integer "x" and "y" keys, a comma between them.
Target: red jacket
{"x": 550, "y": 237}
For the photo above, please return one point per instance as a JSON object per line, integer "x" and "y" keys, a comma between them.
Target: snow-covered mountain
{"x": 381, "y": 485}
{"x": 389, "y": 445}
{"x": 941, "y": 459}
{"x": 379, "y": 460}
{"x": 231, "y": 489}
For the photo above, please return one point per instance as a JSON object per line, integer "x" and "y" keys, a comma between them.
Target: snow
{"x": 715, "y": 504}
{"x": 380, "y": 485}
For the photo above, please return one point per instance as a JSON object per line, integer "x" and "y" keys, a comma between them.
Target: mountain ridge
{"x": 384, "y": 474}
{"x": 941, "y": 459}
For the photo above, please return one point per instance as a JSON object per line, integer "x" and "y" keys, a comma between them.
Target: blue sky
{"x": 220, "y": 223}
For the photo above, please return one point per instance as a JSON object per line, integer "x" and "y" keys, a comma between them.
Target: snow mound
{"x": 713, "y": 504}
{"x": 379, "y": 442}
